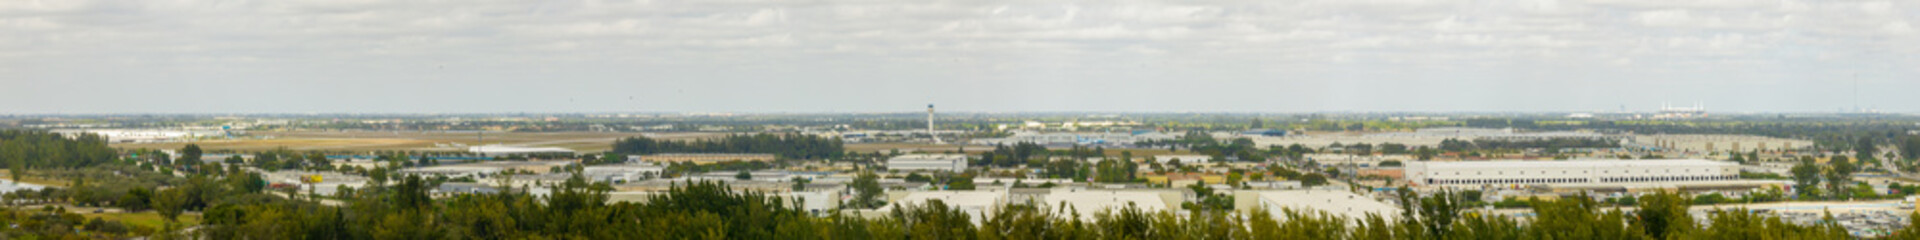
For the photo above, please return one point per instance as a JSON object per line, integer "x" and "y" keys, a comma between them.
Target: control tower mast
{"x": 930, "y": 133}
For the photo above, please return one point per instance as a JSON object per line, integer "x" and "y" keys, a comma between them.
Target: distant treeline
{"x": 1022, "y": 153}
{"x": 788, "y": 146}
{"x": 41, "y": 149}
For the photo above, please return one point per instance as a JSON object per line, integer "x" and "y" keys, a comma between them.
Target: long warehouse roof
{"x": 1573, "y": 163}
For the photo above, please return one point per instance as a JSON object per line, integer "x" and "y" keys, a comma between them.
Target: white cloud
{"x": 1667, "y": 18}
{"x": 1897, "y": 28}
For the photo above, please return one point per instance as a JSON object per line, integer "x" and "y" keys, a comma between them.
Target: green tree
{"x": 1313, "y": 179}
{"x": 135, "y": 200}
{"x": 189, "y": 155}
{"x": 1839, "y": 174}
{"x": 1864, "y": 148}
{"x": 1664, "y": 214}
{"x": 170, "y": 203}
{"x": 867, "y": 190}
{"x": 1806, "y": 175}
{"x": 1909, "y": 147}
{"x": 960, "y": 183}
{"x": 1423, "y": 153}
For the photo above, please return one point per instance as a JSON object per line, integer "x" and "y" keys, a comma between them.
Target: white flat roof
{"x": 962, "y": 199}
{"x": 1573, "y": 163}
{"x": 929, "y": 157}
{"x": 622, "y": 167}
{"x": 1090, "y": 201}
{"x": 1339, "y": 203}
{"x": 453, "y": 168}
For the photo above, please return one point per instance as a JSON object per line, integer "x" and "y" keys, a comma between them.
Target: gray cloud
{"x": 861, "y": 55}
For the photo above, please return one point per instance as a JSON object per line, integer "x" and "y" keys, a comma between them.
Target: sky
{"x": 488, "y": 56}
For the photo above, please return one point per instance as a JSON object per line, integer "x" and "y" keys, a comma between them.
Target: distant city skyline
{"x": 91, "y": 57}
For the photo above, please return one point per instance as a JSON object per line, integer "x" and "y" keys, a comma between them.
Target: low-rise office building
{"x": 621, "y": 173}
{"x": 1088, "y": 202}
{"x": 928, "y": 162}
{"x": 1337, "y": 203}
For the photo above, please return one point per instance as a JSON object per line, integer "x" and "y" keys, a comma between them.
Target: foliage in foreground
{"x": 709, "y": 210}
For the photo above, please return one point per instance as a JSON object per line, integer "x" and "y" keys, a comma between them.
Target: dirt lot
{"x": 428, "y": 141}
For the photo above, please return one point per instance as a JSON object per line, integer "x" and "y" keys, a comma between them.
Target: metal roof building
{"x": 928, "y": 162}
{"x": 1512, "y": 172}
{"x": 1338, "y": 203}
{"x": 499, "y": 150}
{"x": 1088, "y": 202}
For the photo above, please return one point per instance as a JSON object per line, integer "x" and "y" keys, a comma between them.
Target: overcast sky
{"x": 428, "y": 56}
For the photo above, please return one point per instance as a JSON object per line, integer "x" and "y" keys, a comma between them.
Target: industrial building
{"x": 1076, "y": 138}
{"x": 501, "y": 150}
{"x": 454, "y": 171}
{"x": 620, "y": 173}
{"x": 817, "y": 201}
{"x": 1502, "y": 134}
{"x": 1265, "y": 132}
{"x": 699, "y": 158}
{"x": 1430, "y": 137}
{"x": 726, "y": 176}
{"x": 150, "y": 135}
{"x": 928, "y": 162}
{"x": 485, "y": 169}
{"x": 457, "y": 188}
{"x": 1514, "y": 172}
{"x": 973, "y": 203}
{"x": 1088, "y": 202}
{"x": 1337, "y": 203}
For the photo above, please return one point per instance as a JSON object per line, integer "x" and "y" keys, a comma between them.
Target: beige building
{"x": 699, "y": 158}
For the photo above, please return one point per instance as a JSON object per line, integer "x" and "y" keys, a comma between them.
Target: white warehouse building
{"x": 928, "y": 162}
{"x": 501, "y": 150}
{"x": 1507, "y": 172}
{"x": 621, "y": 173}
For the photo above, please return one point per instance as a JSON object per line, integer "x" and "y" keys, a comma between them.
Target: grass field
{"x": 149, "y": 219}
{"x": 419, "y": 141}
{"x": 8, "y": 175}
